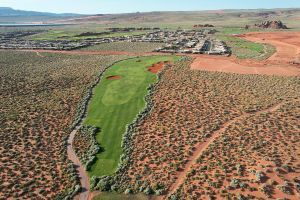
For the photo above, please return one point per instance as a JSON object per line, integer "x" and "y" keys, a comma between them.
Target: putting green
{"x": 115, "y": 103}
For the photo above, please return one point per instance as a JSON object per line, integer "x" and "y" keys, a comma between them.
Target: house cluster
{"x": 130, "y": 29}
{"x": 46, "y": 45}
{"x": 179, "y": 41}
{"x": 191, "y": 41}
{"x": 18, "y": 40}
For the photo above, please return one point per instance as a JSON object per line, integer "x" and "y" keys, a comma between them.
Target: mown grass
{"x": 68, "y": 35}
{"x": 115, "y": 104}
{"x": 244, "y": 43}
{"x": 116, "y": 196}
{"x": 244, "y": 49}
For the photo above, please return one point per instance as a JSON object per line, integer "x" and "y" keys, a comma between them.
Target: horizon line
{"x": 276, "y": 8}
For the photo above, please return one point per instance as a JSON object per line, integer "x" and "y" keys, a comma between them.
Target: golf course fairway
{"x": 116, "y": 101}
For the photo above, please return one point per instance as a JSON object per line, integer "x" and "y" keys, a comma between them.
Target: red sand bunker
{"x": 113, "y": 77}
{"x": 283, "y": 63}
{"x": 155, "y": 68}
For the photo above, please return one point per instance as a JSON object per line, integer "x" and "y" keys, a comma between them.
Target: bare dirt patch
{"x": 113, "y": 77}
{"x": 155, "y": 68}
{"x": 232, "y": 65}
{"x": 282, "y": 63}
{"x": 287, "y": 44}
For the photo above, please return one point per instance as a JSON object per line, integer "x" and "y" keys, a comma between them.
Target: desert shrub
{"x": 260, "y": 176}
{"x": 285, "y": 188}
{"x": 85, "y": 145}
{"x": 266, "y": 189}
{"x": 40, "y": 97}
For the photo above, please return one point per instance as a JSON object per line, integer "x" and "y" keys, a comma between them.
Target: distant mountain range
{"x": 10, "y": 12}
{"x": 179, "y": 19}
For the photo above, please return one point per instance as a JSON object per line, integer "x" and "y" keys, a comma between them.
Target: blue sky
{"x": 121, "y": 6}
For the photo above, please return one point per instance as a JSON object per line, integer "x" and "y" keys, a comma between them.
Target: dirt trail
{"x": 83, "y": 176}
{"x": 203, "y": 146}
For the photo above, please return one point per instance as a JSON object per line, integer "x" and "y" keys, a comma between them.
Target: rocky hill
{"x": 271, "y": 25}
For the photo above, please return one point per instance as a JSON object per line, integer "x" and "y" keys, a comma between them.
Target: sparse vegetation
{"x": 279, "y": 141}
{"x": 125, "y": 46}
{"x": 162, "y": 141}
{"x": 39, "y": 96}
{"x": 86, "y": 146}
{"x": 181, "y": 133}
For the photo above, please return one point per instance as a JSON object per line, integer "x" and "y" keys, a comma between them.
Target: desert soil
{"x": 155, "y": 68}
{"x": 284, "y": 62}
{"x": 203, "y": 146}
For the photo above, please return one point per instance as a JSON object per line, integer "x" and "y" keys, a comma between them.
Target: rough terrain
{"x": 39, "y": 99}
{"x": 284, "y": 62}
{"x": 191, "y": 108}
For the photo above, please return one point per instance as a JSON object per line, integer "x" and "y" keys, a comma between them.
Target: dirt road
{"x": 82, "y": 174}
{"x": 203, "y": 146}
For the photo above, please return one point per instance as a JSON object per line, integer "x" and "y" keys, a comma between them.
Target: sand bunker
{"x": 283, "y": 63}
{"x": 155, "y": 68}
{"x": 113, "y": 77}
